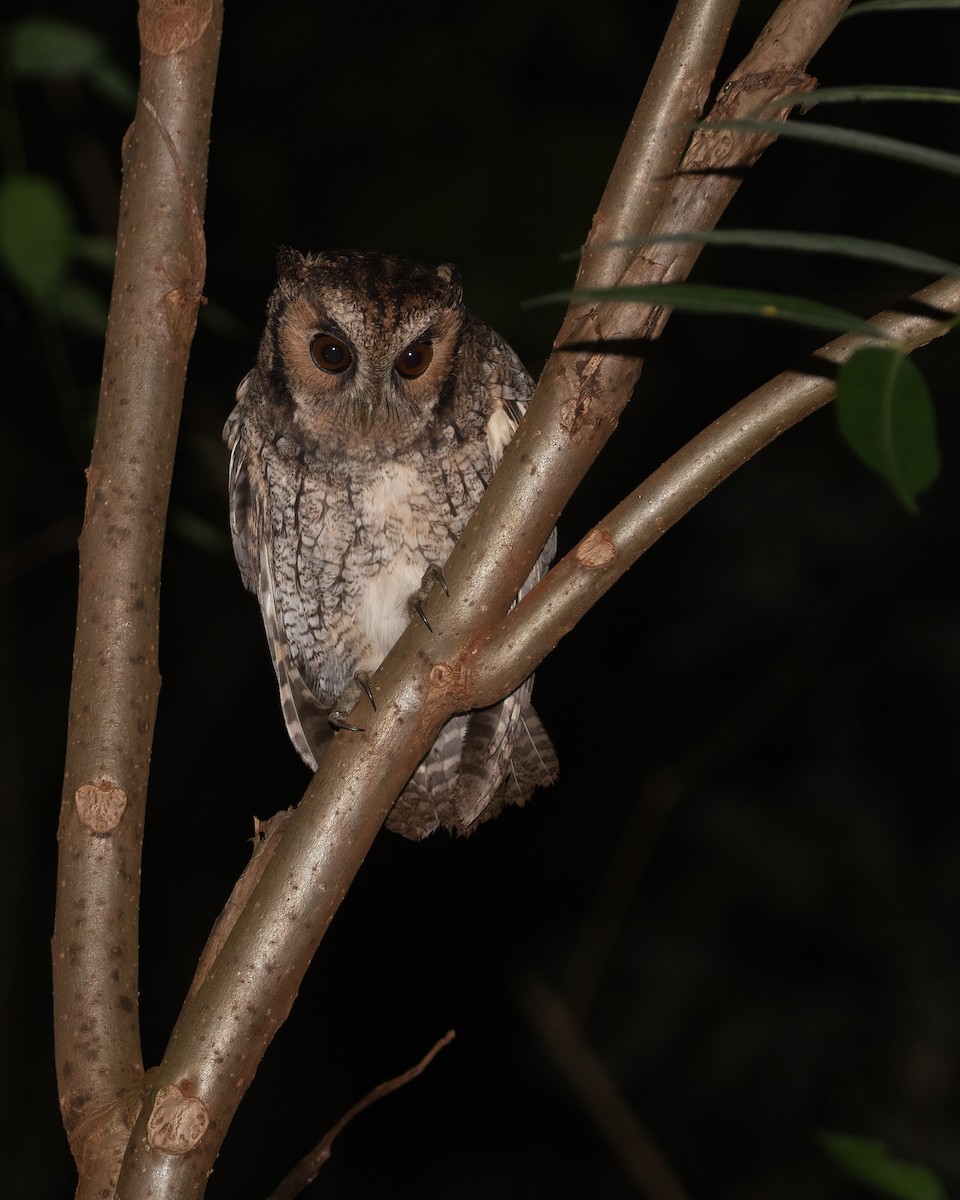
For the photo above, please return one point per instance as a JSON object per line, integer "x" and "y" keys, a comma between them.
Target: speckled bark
{"x": 157, "y": 289}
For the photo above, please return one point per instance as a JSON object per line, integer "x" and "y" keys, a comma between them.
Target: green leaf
{"x": 36, "y": 234}
{"x": 868, "y": 1161}
{"x": 870, "y": 92}
{"x": 703, "y": 298}
{"x": 848, "y": 139}
{"x": 875, "y": 6}
{"x": 48, "y": 48}
{"x": 886, "y": 416}
{"x": 813, "y": 243}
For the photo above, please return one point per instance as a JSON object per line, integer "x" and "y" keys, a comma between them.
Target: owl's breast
{"x": 351, "y": 543}
{"x": 398, "y": 535}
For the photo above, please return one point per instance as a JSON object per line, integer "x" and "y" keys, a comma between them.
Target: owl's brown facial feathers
{"x": 363, "y": 363}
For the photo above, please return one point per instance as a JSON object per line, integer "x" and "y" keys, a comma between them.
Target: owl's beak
{"x": 368, "y": 414}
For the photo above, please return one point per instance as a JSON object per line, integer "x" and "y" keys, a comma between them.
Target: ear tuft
{"x": 290, "y": 263}
{"x": 450, "y": 274}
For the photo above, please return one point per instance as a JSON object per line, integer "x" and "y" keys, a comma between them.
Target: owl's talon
{"x": 417, "y": 608}
{"x": 435, "y": 575}
{"x": 341, "y": 722}
{"x": 362, "y": 680}
{"x": 431, "y": 575}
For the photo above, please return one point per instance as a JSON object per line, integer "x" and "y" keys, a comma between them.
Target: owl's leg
{"x": 348, "y": 698}
{"x": 431, "y": 575}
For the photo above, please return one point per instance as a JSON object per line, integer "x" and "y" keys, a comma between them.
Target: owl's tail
{"x": 534, "y": 762}
{"x": 481, "y": 762}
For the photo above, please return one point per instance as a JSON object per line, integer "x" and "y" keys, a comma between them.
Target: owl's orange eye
{"x": 414, "y": 360}
{"x": 330, "y": 353}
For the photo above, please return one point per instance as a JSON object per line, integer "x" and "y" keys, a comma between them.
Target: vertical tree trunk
{"x": 156, "y": 293}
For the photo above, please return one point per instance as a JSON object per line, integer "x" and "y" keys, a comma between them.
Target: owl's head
{"x": 362, "y": 345}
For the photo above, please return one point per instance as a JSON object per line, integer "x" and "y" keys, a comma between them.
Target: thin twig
{"x": 600, "y": 1097}
{"x": 307, "y": 1169}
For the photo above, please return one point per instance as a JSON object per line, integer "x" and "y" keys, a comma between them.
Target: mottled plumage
{"x": 360, "y": 444}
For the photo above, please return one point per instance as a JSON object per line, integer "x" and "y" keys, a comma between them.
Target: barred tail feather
{"x": 421, "y": 806}
{"x": 483, "y": 763}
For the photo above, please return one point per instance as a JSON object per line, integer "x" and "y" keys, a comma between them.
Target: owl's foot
{"x": 348, "y": 699}
{"x": 431, "y": 575}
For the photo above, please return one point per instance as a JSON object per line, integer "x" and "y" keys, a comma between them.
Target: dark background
{"x": 761, "y": 717}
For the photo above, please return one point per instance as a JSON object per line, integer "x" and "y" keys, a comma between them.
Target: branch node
{"x": 170, "y": 26}
{"x": 447, "y": 677}
{"x": 177, "y": 1122}
{"x": 100, "y": 805}
{"x": 596, "y": 550}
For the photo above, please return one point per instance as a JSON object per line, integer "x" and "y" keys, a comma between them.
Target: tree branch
{"x": 306, "y": 1171}
{"x": 224, "y": 1029}
{"x": 592, "y": 1085}
{"x": 673, "y": 97}
{"x": 156, "y": 293}
{"x": 531, "y": 630}
{"x": 590, "y": 377}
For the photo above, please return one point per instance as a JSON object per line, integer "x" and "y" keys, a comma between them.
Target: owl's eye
{"x": 414, "y": 360}
{"x": 330, "y": 353}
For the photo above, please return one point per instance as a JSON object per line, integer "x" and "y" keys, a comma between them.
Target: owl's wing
{"x": 244, "y": 507}
{"x": 495, "y": 756}
{"x": 308, "y": 725}
{"x": 252, "y": 533}
{"x": 506, "y": 389}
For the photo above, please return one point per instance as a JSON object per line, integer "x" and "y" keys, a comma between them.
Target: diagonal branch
{"x": 673, "y": 98}
{"x": 157, "y": 290}
{"x": 593, "y": 1086}
{"x": 306, "y": 1171}
{"x": 590, "y": 377}
{"x": 530, "y": 631}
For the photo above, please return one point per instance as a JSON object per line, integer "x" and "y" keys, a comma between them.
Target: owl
{"x": 360, "y": 444}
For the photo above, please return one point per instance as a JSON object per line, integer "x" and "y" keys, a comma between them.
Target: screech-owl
{"x": 360, "y": 444}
